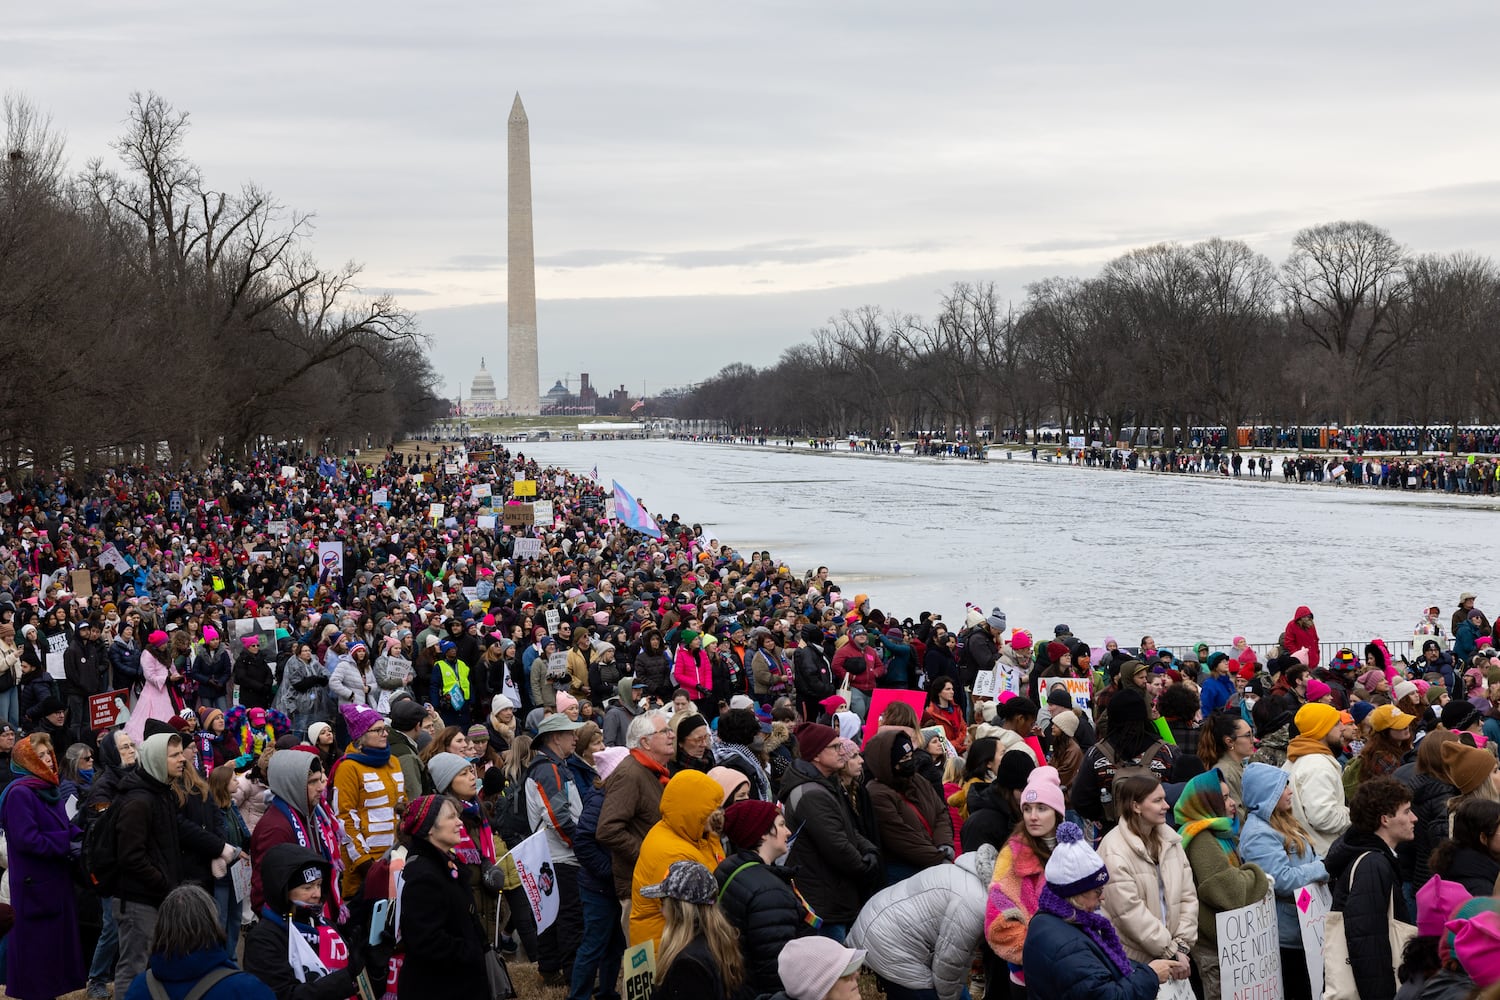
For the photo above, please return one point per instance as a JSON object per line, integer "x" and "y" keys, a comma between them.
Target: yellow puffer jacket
{"x": 686, "y": 803}
{"x": 367, "y": 802}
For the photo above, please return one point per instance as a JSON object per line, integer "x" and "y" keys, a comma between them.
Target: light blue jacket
{"x": 1262, "y": 845}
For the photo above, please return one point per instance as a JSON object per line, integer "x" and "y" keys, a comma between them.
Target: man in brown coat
{"x": 632, "y": 796}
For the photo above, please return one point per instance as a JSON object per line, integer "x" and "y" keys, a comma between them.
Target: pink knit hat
{"x": 1436, "y": 902}
{"x": 1045, "y": 786}
{"x": 1476, "y": 945}
{"x": 1316, "y": 689}
{"x": 565, "y": 701}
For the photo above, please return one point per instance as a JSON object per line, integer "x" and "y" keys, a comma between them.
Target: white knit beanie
{"x": 1074, "y": 867}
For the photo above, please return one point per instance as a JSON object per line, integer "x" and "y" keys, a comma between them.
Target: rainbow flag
{"x": 631, "y": 514}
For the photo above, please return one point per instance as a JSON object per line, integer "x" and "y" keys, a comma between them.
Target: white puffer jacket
{"x": 921, "y": 933}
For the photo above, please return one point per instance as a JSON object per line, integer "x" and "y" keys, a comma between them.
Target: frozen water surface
{"x": 1181, "y": 558}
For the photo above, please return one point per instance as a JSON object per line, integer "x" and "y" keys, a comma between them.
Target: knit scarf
{"x": 1306, "y": 746}
{"x": 1097, "y": 927}
{"x": 1200, "y": 809}
{"x": 326, "y": 844}
{"x": 467, "y": 851}
{"x": 370, "y": 757}
{"x": 650, "y": 764}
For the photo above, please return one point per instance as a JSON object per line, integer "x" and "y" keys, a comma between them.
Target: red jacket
{"x": 1303, "y": 638}
{"x": 863, "y": 680}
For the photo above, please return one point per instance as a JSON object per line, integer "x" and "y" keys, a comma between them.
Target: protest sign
{"x": 487, "y": 522}
{"x": 640, "y": 971}
{"x": 288, "y": 472}
{"x": 533, "y": 860}
{"x": 174, "y": 502}
{"x": 451, "y": 468}
{"x": 1081, "y": 690}
{"x": 559, "y": 480}
{"x": 881, "y": 697}
{"x": 55, "y": 666}
{"x": 986, "y": 685}
{"x": 516, "y": 514}
{"x": 277, "y": 528}
{"x": 381, "y": 498}
{"x": 1313, "y": 903}
{"x": 554, "y": 617}
{"x": 481, "y": 491}
{"x": 609, "y": 509}
{"x": 80, "y": 583}
{"x": 480, "y": 457}
{"x": 541, "y": 512}
{"x": 330, "y": 558}
{"x": 110, "y": 556}
{"x": 525, "y": 488}
{"x": 436, "y": 511}
{"x": 471, "y": 593}
{"x": 6, "y": 497}
{"x": 1250, "y": 952}
{"x": 528, "y": 548}
{"x": 106, "y": 709}
{"x": 557, "y": 664}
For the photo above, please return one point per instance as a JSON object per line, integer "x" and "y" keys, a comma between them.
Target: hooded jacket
{"x": 828, "y": 849}
{"x": 686, "y": 803}
{"x": 266, "y": 945}
{"x": 147, "y": 845}
{"x": 913, "y": 820}
{"x": 622, "y": 711}
{"x": 921, "y": 932}
{"x": 1303, "y": 638}
{"x": 1262, "y": 845}
{"x": 287, "y": 780}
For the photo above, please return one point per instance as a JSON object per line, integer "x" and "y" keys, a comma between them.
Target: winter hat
{"x": 421, "y": 814}
{"x": 359, "y": 719}
{"x": 1436, "y": 903}
{"x": 810, "y": 966}
{"x": 1059, "y": 697}
{"x": 444, "y": 767}
{"x": 1317, "y": 690}
{"x": 686, "y": 637}
{"x": 406, "y": 715}
{"x": 1045, "y": 786}
{"x": 177, "y": 722}
{"x": 1370, "y": 679}
{"x": 1403, "y": 690}
{"x": 206, "y": 716}
{"x": 157, "y": 638}
{"x": 689, "y": 724}
{"x": 1056, "y": 651}
{"x": 1020, "y": 640}
{"x": 315, "y": 732}
{"x": 1468, "y": 767}
{"x": 729, "y": 779}
{"x": 430, "y": 641}
{"x": 1476, "y": 946}
{"x": 1316, "y": 720}
{"x": 210, "y": 633}
{"x": 1360, "y": 710}
{"x": 606, "y": 760}
{"x": 500, "y": 703}
{"x": 996, "y": 620}
{"x": 1067, "y": 722}
{"x": 565, "y": 701}
{"x": 972, "y": 618}
{"x": 812, "y": 739}
{"x": 832, "y": 703}
{"x": 1459, "y": 715}
{"x": 1014, "y": 769}
{"x": 1074, "y": 867}
{"x": 745, "y": 823}
{"x": 1433, "y": 694}
{"x": 478, "y": 734}
{"x": 249, "y": 640}
{"x": 1466, "y": 912}
{"x": 1390, "y": 717}
{"x": 687, "y": 881}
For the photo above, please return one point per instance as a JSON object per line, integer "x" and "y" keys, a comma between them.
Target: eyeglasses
{"x": 377, "y": 731}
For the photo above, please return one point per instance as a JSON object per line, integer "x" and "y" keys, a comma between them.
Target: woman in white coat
{"x": 1150, "y": 897}
{"x": 353, "y": 680}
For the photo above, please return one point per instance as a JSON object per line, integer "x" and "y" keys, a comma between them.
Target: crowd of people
{"x": 276, "y": 728}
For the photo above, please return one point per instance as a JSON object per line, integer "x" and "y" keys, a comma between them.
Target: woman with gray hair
{"x": 188, "y": 951}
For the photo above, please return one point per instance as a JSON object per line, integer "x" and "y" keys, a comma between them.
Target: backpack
{"x": 101, "y": 862}
{"x": 1140, "y": 768}
{"x": 511, "y": 820}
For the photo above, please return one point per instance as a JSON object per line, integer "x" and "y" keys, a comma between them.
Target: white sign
{"x": 1313, "y": 903}
{"x": 381, "y": 496}
{"x": 609, "y": 508}
{"x": 276, "y": 528}
{"x": 330, "y": 559}
{"x": 55, "y": 665}
{"x": 110, "y": 556}
{"x": 436, "y": 511}
{"x": 559, "y": 480}
{"x": 533, "y": 860}
{"x": 528, "y": 548}
{"x": 7, "y": 497}
{"x": 288, "y": 472}
{"x": 1250, "y": 952}
{"x": 451, "y": 468}
{"x": 986, "y": 685}
{"x": 1075, "y": 441}
{"x": 541, "y": 512}
{"x": 553, "y": 619}
{"x": 487, "y": 522}
{"x": 1081, "y": 689}
{"x": 481, "y": 491}
{"x": 471, "y": 593}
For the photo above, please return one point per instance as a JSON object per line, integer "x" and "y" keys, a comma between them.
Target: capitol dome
{"x": 483, "y": 388}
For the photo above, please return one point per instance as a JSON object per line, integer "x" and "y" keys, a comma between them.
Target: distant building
{"x": 558, "y": 395}
{"x": 482, "y": 401}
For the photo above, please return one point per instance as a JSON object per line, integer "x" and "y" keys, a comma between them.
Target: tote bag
{"x": 1338, "y": 972}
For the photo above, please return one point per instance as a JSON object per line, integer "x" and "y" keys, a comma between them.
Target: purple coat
{"x": 45, "y": 958}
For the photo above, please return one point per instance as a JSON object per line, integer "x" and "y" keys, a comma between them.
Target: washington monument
{"x": 522, "y": 379}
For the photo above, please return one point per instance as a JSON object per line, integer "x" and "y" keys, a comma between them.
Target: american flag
{"x": 594, "y": 473}
{"x": 637, "y": 405}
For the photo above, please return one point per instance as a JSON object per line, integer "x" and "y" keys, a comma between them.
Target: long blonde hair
{"x": 684, "y": 923}
{"x": 1293, "y": 836}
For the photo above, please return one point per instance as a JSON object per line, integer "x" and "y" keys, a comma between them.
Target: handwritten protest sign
{"x": 1313, "y": 903}
{"x": 487, "y": 522}
{"x": 525, "y": 488}
{"x": 528, "y": 548}
{"x": 542, "y": 512}
{"x": 1081, "y": 690}
{"x": 1250, "y": 952}
{"x": 516, "y": 514}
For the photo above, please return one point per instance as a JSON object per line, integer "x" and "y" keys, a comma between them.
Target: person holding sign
{"x": 295, "y": 879}
{"x": 1210, "y": 836}
{"x": 1072, "y": 950}
{"x": 1273, "y": 840}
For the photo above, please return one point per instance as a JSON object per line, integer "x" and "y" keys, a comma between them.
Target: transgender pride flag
{"x": 631, "y": 514}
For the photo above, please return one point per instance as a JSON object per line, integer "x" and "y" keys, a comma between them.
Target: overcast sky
{"x": 712, "y": 180}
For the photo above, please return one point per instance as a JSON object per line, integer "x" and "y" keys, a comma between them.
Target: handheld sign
{"x": 525, "y": 488}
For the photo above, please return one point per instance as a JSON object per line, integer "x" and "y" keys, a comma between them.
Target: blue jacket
{"x": 179, "y": 975}
{"x": 1215, "y": 694}
{"x": 1261, "y": 845}
{"x": 1466, "y": 642}
{"x": 898, "y": 660}
{"x": 1063, "y": 963}
{"x": 595, "y": 863}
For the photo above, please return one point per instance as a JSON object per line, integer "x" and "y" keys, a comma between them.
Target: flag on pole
{"x": 637, "y": 405}
{"x": 594, "y": 473}
{"x": 533, "y": 860}
{"x": 631, "y": 514}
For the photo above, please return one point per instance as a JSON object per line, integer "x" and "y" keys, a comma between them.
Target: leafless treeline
{"x": 139, "y": 306}
{"x": 1351, "y": 328}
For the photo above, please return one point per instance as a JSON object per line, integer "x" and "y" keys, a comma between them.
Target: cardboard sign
{"x": 1313, "y": 903}
{"x": 105, "y": 710}
{"x": 640, "y": 971}
{"x": 516, "y": 514}
{"x": 560, "y": 480}
{"x": 528, "y": 548}
{"x": 1250, "y": 952}
{"x": 525, "y": 488}
{"x": 541, "y": 512}
{"x": 80, "y": 583}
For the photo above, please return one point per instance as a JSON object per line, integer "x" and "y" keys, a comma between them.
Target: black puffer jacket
{"x": 828, "y": 850}
{"x": 1429, "y": 800}
{"x": 758, "y": 899}
{"x": 813, "y": 670}
{"x": 1476, "y": 871}
{"x": 1365, "y": 900}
